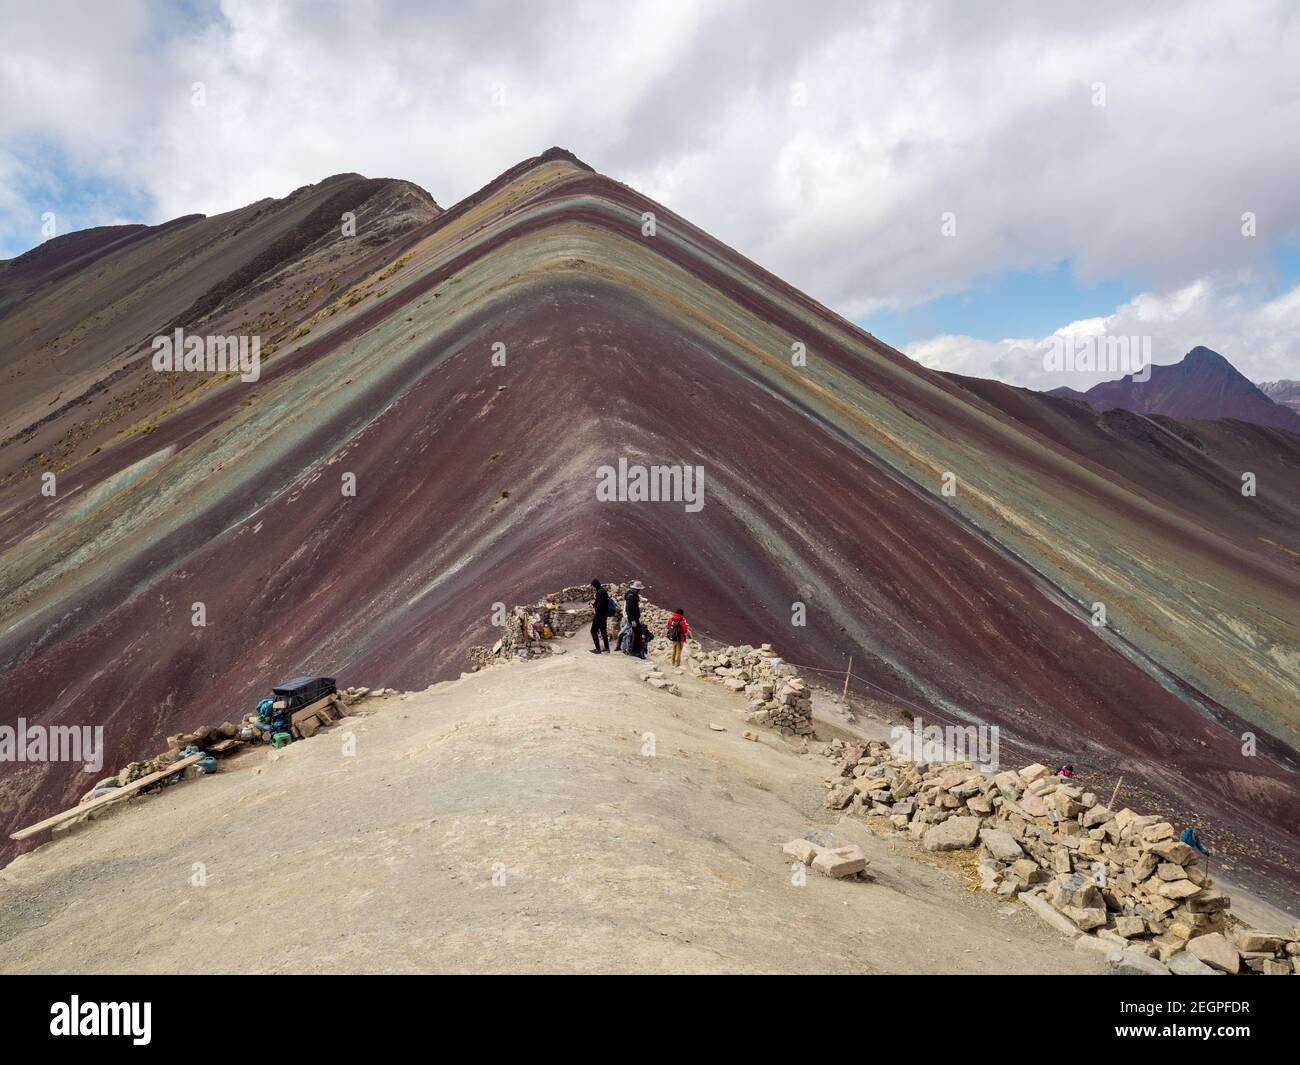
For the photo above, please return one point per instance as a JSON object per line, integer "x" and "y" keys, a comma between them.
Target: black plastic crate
{"x": 302, "y": 691}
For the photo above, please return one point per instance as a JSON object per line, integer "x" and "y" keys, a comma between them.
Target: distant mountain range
{"x": 1287, "y": 393}
{"x": 1204, "y": 385}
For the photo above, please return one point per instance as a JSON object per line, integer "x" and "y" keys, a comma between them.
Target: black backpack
{"x": 675, "y": 630}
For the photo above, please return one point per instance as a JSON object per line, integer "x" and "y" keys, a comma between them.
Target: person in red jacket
{"x": 678, "y": 632}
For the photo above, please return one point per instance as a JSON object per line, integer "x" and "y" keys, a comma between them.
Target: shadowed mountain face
{"x": 426, "y": 438}
{"x": 1204, "y": 385}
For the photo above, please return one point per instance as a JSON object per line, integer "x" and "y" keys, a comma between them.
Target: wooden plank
{"x": 224, "y": 746}
{"x": 309, "y": 709}
{"x": 306, "y": 727}
{"x": 111, "y": 797}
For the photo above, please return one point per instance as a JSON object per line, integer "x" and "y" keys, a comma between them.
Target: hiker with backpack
{"x": 632, "y": 600}
{"x": 1192, "y": 837}
{"x": 603, "y": 607}
{"x": 678, "y": 632}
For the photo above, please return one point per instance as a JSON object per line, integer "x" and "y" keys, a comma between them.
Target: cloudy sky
{"x": 965, "y": 180}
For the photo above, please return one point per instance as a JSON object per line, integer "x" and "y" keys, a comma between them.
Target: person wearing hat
{"x": 632, "y": 600}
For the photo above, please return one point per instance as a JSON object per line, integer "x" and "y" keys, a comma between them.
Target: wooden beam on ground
{"x": 105, "y": 800}
{"x": 310, "y": 708}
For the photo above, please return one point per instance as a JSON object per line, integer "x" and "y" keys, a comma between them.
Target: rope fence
{"x": 848, "y": 675}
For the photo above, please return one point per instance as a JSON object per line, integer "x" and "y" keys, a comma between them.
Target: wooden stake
{"x": 845, "y": 697}
{"x": 1114, "y": 794}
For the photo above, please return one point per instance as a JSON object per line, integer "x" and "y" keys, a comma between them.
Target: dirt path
{"x": 539, "y": 777}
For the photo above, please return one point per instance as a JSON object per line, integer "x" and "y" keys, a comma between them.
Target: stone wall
{"x": 1119, "y": 878}
{"x": 781, "y": 699}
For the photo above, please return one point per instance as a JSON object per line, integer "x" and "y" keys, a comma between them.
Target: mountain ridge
{"x": 475, "y": 485}
{"x": 1202, "y": 385}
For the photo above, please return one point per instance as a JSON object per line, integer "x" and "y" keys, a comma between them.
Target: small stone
{"x": 1128, "y": 927}
{"x": 1086, "y": 917}
{"x": 840, "y": 862}
{"x": 801, "y": 850}
{"x": 1027, "y": 870}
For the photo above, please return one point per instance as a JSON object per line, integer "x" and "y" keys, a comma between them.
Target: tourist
{"x": 602, "y": 607}
{"x": 678, "y": 632}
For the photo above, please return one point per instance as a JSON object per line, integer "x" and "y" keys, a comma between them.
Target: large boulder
{"x": 1171, "y": 850}
{"x": 1043, "y": 909}
{"x": 957, "y": 833}
{"x": 1101, "y": 947}
{"x": 1215, "y": 951}
{"x": 1252, "y": 940}
{"x": 1033, "y": 805}
{"x": 1185, "y": 964}
{"x": 1028, "y": 871}
{"x": 1001, "y": 845}
{"x": 1009, "y": 784}
{"x": 1134, "y": 963}
{"x": 1210, "y": 900}
{"x": 1075, "y": 890}
{"x": 1177, "y": 889}
{"x": 1098, "y": 815}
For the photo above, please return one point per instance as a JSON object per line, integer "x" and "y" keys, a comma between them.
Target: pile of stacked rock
{"x": 781, "y": 699}
{"x": 1119, "y": 878}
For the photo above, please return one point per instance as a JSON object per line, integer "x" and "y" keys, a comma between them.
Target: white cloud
{"x": 1258, "y": 335}
{"x": 910, "y": 109}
